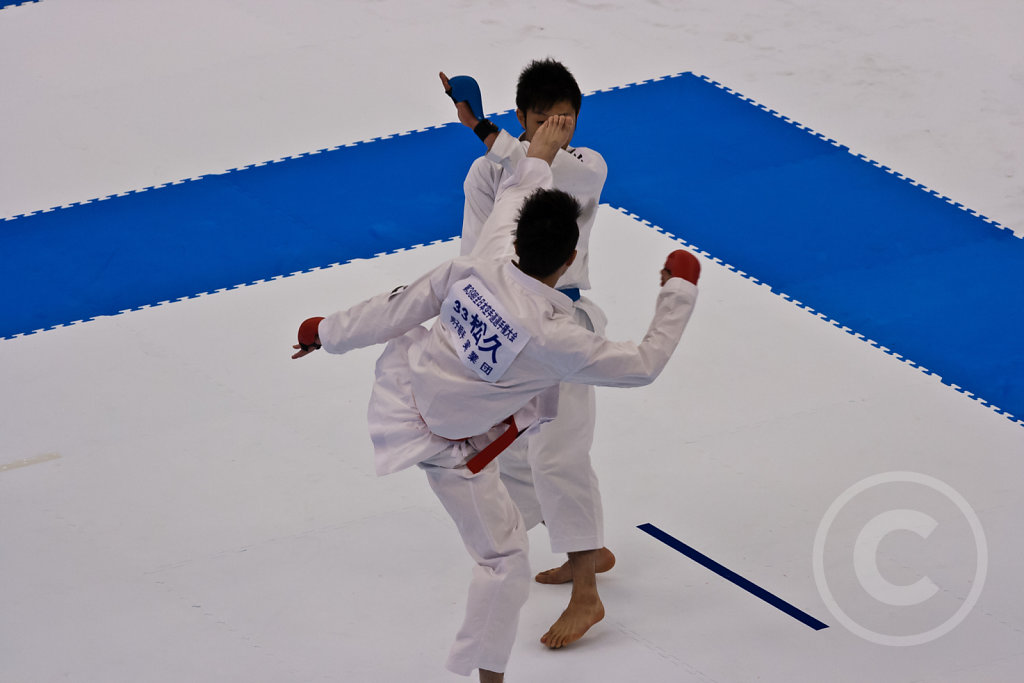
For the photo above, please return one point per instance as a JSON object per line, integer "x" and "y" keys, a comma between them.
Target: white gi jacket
{"x": 435, "y": 386}
{"x": 580, "y": 171}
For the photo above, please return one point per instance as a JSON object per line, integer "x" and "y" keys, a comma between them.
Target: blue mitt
{"x": 465, "y": 89}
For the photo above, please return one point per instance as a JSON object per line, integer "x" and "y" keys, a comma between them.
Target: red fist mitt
{"x": 681, "y": 263}
{"x": 309, "y": 339}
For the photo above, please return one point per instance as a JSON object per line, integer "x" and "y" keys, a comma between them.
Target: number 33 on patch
{"x": 486, "y": 338}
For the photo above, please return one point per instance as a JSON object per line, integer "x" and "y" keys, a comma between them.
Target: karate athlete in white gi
{"x": 446, "y": 399}
{"x": 549, "y": 474}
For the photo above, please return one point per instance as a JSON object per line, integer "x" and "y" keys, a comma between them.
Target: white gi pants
{"x": 493, "y": 532}
{"x": 491, "y": 526}
{"x": 549, "y": 474}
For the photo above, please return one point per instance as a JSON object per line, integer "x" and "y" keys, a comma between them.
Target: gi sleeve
{"x": 626, "y": 364}
{"x": 497, "y": 235}
{"x": 480, "y": 188}
{"x": 506, "y": 151}
{"x": 579, "y": 171}
{"x": 387, "y": 315}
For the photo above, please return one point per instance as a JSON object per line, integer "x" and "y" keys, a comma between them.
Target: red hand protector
{"x": 308, "y": 334}
{"x": 681, "y": 263}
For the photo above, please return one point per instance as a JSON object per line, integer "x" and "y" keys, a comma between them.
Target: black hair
{"x": 543, "y": 83}
{"x": 546, "y": 231}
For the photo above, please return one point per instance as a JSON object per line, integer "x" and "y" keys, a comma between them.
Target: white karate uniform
{"x": 549, "y": 474}
{"x": 501, "y": 345}
{"x": 580, "y": 171}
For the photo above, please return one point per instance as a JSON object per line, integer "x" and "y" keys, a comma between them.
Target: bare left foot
{"x": 563, "y": 574}
{"x": 575, "y": 621}
{"x": 585, "y": 608}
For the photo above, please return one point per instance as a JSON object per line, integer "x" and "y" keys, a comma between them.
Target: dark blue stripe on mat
{"x": 868, "y": 249}
{"x": 733, "y": 577}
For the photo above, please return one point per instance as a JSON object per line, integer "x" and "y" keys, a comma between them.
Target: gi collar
{"x": 560, "y": 301}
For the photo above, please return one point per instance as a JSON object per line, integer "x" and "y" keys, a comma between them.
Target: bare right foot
{"x": 563, "y": 574}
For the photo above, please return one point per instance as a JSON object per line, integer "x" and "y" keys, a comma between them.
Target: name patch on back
{"x": 485, "y": 336}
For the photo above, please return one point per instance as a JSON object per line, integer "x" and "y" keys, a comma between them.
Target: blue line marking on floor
{"x": 871, "y": 251}
{"x": 733, "y": 577}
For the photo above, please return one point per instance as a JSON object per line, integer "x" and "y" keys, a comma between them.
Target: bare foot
{"x": 563, "y": 574}
{"x": 585, "y": 608}
{"x": 578, "y": 617}
{"x": 491, "y": 676}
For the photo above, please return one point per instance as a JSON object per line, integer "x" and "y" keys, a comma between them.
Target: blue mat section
{"x": 889, "y": 260}
{"x": 864, "y": 247}
{"x": 229, "y": 229}
{"x": 11, "y": 3}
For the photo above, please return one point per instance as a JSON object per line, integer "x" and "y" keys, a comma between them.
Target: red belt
{"x": 484, "y": 457}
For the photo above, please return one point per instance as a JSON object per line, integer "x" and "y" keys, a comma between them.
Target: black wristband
{"x": 484, "y": 128}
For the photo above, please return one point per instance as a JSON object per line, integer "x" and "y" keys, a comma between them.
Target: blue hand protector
{"x": 465, "y": 89}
